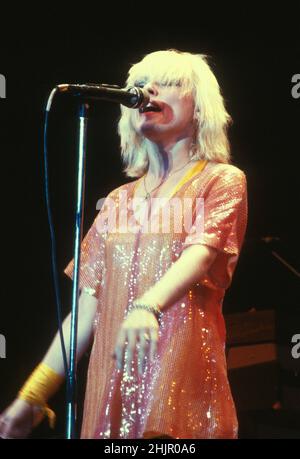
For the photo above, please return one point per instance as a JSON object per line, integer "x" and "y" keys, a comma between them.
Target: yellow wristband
{"x": 39, "y": 387}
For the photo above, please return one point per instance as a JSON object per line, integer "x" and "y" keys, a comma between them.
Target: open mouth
{"x": 150, "y": 107}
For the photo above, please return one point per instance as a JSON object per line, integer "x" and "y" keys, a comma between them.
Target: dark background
{"x": 253, "y": 56}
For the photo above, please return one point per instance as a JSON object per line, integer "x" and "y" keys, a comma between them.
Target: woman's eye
{"x": 164, "y": 83}
{"x": 170, "y": 83}
{"x": 140, "y": 84}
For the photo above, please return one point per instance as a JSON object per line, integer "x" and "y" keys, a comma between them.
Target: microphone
{"x": 132, "y": 97}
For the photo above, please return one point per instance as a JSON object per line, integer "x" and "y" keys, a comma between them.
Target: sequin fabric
{"x": 185, "y": 392}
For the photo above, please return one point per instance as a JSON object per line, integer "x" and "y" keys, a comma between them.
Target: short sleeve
{"x": 92, "y": 258}
{"x": 224, "y": 221}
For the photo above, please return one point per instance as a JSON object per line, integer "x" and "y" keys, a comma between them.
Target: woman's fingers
{"x": 144, "y": 342}
{"x": 120, "y": 349}
{"x": 9, "y": 429}
{"x": 17, "y": 420}
{"x": 153, "y": 343}
{"x": 141, "y": 327}
{"x": 131, "y": 336}
{"x": 3, "y": 426}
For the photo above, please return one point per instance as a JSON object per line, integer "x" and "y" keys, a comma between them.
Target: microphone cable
{"x": 53, "y": 239}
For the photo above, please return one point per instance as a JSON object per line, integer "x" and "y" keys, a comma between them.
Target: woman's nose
{"x": 151, "y": 88}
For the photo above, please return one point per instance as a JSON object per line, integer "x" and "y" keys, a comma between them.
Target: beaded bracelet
{"x": 148, "y": 307}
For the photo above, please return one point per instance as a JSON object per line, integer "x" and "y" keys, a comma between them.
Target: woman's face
{"x": 169, "y": 115}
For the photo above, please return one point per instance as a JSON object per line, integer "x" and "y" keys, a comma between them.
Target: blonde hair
{"x": 194, "y": 75}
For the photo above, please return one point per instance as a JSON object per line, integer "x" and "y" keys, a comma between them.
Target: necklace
{"x": 148, "y": 193}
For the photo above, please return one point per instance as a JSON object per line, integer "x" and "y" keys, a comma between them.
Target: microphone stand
{"x": 71, "y": 382}
{"x": 276, "y": 255}
{"x": 133, "y": 97}
{"x": 278, "y": 403}
{"x": 285, "y": 263}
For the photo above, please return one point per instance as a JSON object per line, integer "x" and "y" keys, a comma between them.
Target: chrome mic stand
{"x": 71, "y": 383}
{"x": 133, "y": 98}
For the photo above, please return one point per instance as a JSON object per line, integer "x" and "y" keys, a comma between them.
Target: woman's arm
{"x": 20, "y": 417}
{"x": 141, "y": 325}
{"x": 191, "y": 266}
{"x": 86, "y": 315}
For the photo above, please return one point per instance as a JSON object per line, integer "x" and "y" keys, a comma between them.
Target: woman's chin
{"x": 152, "y": 131}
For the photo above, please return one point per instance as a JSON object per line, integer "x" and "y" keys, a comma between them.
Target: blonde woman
{"x": 155, "y": 266}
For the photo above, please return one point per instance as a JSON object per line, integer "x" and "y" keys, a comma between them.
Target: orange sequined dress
{"x": 184, "y": 392}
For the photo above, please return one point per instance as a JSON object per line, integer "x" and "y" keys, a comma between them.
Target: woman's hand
{"x": 18, "y": 420}
{"x": 140, "y": 327}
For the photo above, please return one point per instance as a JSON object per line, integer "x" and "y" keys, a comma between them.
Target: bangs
{"x": 162, "y": 67}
